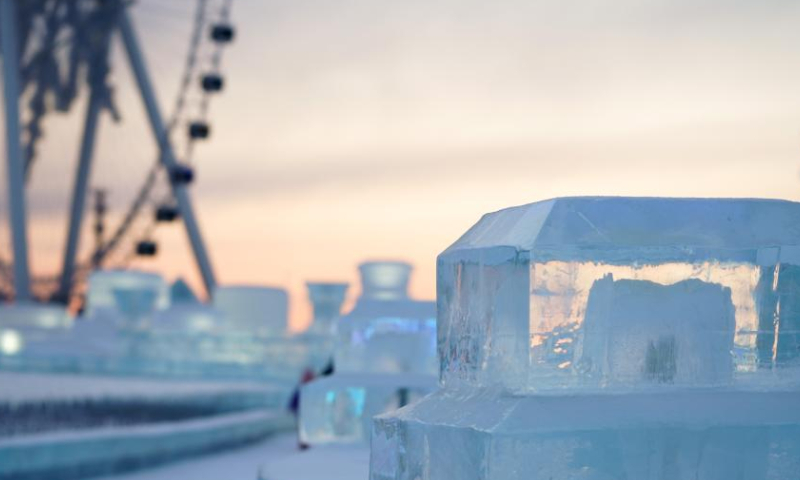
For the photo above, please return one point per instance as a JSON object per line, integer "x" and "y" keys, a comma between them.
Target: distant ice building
{"x": 253, "y": 309}
{"x": 384, "y": 357}
{"x": 27, "y": 328}
{"x": 612, "y": 338}
{"x": 386, "y": 331}
{"x": 101, "y": 298}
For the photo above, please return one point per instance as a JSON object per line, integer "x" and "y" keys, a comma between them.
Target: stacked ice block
{"x": 384, "y": 357}
{"x": 612, "y": 338}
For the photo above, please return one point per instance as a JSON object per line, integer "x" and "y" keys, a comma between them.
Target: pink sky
{"x": 357, "y": 130}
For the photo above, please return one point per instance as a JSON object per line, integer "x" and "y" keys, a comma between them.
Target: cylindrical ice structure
{"x": 252, "y": 309}
{"x": 326, "y": 300}
{"x": 384, "y": 280}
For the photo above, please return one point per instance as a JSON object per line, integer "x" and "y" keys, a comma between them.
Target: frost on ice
{"x": 612, "y": 338}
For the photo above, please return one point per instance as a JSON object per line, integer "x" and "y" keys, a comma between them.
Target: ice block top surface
{"x": 565, "y": 224}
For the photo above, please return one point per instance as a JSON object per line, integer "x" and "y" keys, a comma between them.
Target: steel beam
{"x": 79, "y": 191}
{"x": 15, "y": 176}
{"x": 167, "y": 155}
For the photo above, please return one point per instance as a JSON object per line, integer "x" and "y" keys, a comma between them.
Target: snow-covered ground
{"x": 329, "y": 462}
{"x": 276, "y": 458}
{"x": 239, "y": 464}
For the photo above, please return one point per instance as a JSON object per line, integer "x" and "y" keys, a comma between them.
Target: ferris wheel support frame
{"x": 79, "y": 191}
{"x": 14, "y": 172}
{"x": 167, "y": 155}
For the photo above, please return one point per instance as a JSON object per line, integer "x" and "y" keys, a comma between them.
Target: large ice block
{"x": 252, "y": 309}
{"x": 670, "y": 435}
{"x": 513, "y": 292}
{"x": 612, "y": 338}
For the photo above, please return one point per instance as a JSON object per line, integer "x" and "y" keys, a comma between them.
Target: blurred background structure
{"x": 55, "y": 50}
{"x": 376, "y": 127}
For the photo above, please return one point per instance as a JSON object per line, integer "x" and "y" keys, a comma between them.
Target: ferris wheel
{"x": 61, "y": 54}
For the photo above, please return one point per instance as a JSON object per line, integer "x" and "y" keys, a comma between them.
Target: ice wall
{"x": 261, "y": 310}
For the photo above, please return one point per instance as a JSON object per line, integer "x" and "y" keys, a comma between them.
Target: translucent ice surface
{"x": 384, "y": 358}
{"x": 251, "y": 309}
{"x": 612, "y": 338}
{"x": 671, "y": 435}
{"x": 528, "y": 295}
{"x": 386, "y": 331}
{"x": 339, "y": 408}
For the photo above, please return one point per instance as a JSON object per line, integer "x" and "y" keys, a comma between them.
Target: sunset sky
{"x": 354, "y": 130}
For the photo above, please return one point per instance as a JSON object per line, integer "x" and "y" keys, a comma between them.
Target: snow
{"x": 239, "y": 464}
{"x": 337, "y": 462}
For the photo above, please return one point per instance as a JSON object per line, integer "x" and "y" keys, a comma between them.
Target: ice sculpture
{"x": 101, "y": 300}
{"x": 386, "y": 331}
{"x": 384, "y": 358}
{"x": 251, "y": 309}
{"x": 317, "y": 340}
{"x": 28, "y": 328}
{"x": 612, "y": 338}
{"x": 181, "y": 292}
{"x": 326, "y": 301}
